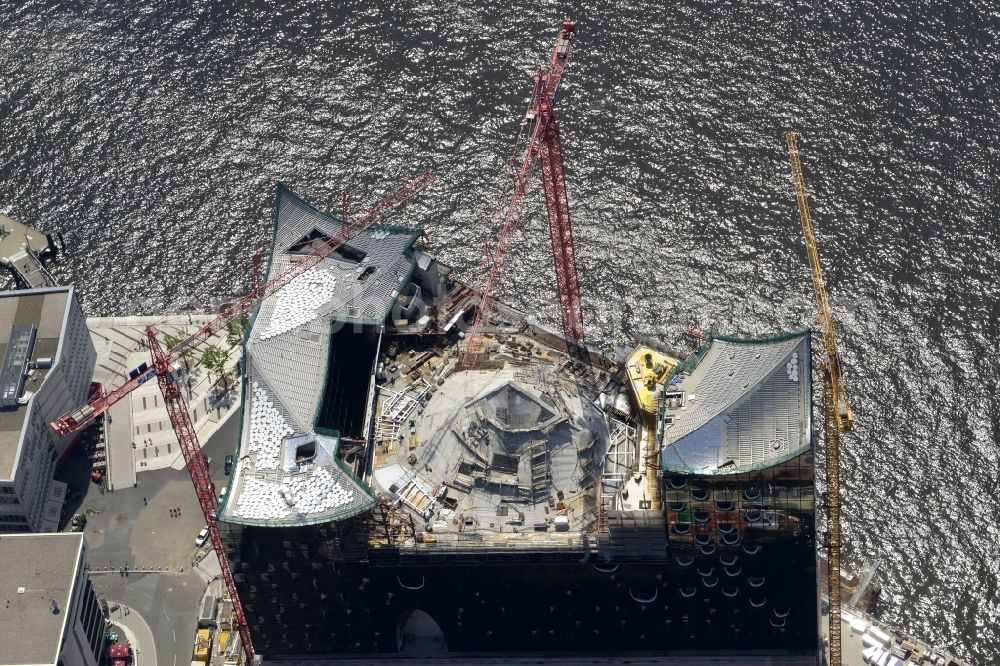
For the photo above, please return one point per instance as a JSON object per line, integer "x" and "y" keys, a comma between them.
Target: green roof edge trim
{"x": 692, "y": 362}
{"x": 246, "y": 338}
{"x": 283, "y": 189}
{"x": 415, "y": 233}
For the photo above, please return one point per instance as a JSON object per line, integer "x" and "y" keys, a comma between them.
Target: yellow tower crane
{"x": 838, "y": 417}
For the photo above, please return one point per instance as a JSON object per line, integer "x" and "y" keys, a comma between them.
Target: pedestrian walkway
{"x": 140, "y": 436}
{"x": 137, "y": 633}
{"x": 121, "y": 465}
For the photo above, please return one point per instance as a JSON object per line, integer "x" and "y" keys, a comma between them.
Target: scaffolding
{"x": 387, "y": 526}
{"x": 541, "y": 469}
{"x": 396, "y": 408}
{"x": 620, "y": 462}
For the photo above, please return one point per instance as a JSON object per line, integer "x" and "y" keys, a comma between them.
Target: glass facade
{"x": 749, "y": 539}
{"x": 304, "y": 596}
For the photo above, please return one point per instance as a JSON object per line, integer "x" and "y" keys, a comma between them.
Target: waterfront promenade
{"x": 139, "y": 435}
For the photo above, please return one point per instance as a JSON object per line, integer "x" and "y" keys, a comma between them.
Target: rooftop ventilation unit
{"x": 15, "y": 363}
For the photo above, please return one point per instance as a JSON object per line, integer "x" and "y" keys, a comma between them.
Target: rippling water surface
{"x": 151, "y": 135}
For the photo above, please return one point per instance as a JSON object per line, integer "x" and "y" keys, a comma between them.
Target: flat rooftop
{"x": 38, "y": 569}
{"x": 45, "y": 309}
{"x": 14, "y": 236}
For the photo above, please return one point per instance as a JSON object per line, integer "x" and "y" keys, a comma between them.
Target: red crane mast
{"x": 173, "y": 397}
{"x": 541, "y": 143}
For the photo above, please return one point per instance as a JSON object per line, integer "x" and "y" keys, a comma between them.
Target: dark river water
{"x": 151, "y": 135}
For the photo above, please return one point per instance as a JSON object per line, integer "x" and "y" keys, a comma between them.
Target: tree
{"x": 214, "y": 359}
{"x": 187, "y": 354}
{"x": 235, "y": 330}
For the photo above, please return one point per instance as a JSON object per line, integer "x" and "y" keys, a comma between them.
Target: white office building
{"x": 50, "y": 613}
{"x": 47, "y": 364}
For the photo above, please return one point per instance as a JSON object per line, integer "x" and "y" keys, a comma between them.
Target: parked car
{"x": 199, "y": 540}
{"x": 229, "y": 465}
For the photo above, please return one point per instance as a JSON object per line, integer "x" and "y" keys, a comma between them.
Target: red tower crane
{"x": 163, "y": 363}
{"x": 540, "y": 137}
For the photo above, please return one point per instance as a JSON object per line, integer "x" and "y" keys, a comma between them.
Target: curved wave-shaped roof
{"x": 286, "y": 354}
{"x": 745, "y": 404}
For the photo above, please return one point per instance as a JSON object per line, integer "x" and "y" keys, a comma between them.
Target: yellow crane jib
{"x": 837, "y": 413}
{"x": 844, "y": 415}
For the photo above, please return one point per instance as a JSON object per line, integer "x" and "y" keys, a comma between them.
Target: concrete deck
{"x": 507, "y": 455}
{"x": 852, "y": 643}
{"x": 20, "y": 249}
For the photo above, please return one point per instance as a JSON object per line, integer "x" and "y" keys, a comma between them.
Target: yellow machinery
{"x": 647, "y": 368}
{"x": 838, "y": 417}
{"x": 221, "y": 642}
{"x": 202, "y": 645}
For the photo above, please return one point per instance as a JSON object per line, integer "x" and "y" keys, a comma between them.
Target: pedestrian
{"x": 144, "y": 503}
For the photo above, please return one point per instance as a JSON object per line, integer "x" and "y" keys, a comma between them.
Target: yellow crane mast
{"x": 836, "y": 409}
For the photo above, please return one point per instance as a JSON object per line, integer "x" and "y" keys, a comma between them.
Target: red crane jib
{"x": 173, "y": 397}
{"x": 561, "y": 234}
{"x": 79, "y": 418}
{"x": 542, "y": 144}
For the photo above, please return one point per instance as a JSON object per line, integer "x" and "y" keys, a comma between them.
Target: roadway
{"x": 150, "y": 529}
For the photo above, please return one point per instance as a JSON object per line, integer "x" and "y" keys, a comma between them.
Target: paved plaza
{"x": 136, "y": 528}
{"x": 140, "y": 437}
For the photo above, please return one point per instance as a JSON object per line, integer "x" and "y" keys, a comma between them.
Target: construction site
{"x": 425, "y": 471}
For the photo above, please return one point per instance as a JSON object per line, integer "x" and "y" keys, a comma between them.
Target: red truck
{"x": 120, "y": 654}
